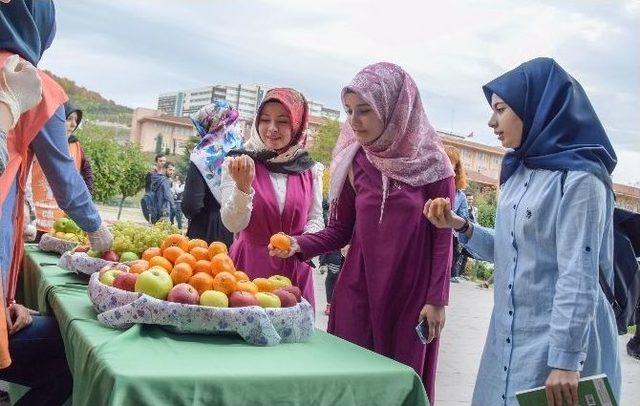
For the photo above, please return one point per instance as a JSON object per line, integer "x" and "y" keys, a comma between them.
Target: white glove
{"x": 30, "y": 232}
{"x": 101, "y": 239}
{"x": 20, "y": 87}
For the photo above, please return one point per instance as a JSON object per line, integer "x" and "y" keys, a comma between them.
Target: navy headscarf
{"x": 27, "y": 27}
{"x": 561, "y": 131}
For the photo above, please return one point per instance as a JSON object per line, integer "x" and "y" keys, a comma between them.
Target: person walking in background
{"x": 473, "y": 210}
{"x": 460, "y": 207}
{"x": 177, "y": 187}
{"x": 159, "y": 200}
{"x": 330, "y": 263}
{"x": 160, "y": 161}
{"x": 217, "y": 126}
{"x": 44, "y": 203}
{"x": 551, "y": 322}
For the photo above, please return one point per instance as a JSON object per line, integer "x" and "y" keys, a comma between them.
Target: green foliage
{"x": 134, "y": 170}
{"x": 93, "y": 104}
{"x": 325, "y": 141}
{"x": 487, "y": 204}
{"x": 182, "y": 162}
{"x": 482, "y": 270}
{"x": 104, "y": 155}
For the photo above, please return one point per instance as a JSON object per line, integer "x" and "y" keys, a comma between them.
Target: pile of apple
{"x": 192, "y": 272}
{"x": 110, "y": 255}
{"x": 66, "y": 229}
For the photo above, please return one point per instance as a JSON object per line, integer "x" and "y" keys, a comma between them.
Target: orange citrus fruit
{"x": 241, "y": 276}
{"x": 247, "y": 286}
{"x": 188, "y": 258}
{"x": 201, "y": 281}
{"x": 181, "y": 273}
{"x": 216, "y": 248}
{"x": 280, "y": 241}
{"x": 151, "y": 252}
{"x": 161, "y": 262}
{"x": 196, "y": 242}
{"x": 202, "y": 265}
{"x": 224, "y": 282}
{"x": 200, "y": 253}
{"x": 263, "y": 284}
{"x": 221, "y": 263}
{"x": 139, "y": 266}
{"x": 172, "y": 253}
{"x": 175, "y": 240}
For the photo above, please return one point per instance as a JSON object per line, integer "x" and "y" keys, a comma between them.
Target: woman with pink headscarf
{"x": 388, "y": 161}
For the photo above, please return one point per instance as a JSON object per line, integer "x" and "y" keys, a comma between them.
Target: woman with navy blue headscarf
{"x": 551, "y": 323}
{"x": 31, "y": 349}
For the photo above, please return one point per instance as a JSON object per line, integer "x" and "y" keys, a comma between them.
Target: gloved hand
{"x": 101, "y": 239}
{"x": 20, "y": 87}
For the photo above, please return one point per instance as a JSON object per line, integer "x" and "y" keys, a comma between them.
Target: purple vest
{"x": 249, "y": 250}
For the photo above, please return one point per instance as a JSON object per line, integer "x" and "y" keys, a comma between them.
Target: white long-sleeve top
{"x": 237, "y": 205}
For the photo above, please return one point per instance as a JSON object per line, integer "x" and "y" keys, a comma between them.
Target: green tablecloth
{"x": 148, "y": 365}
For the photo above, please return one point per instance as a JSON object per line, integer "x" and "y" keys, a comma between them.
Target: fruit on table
{"x": 217, "y": 247}
{"x": 161, "y": 262}
{"x": 128, "y": 256}
{"x": 151, "y": 252}
{"x": 196, "y": 242}
{"x": 108, "y": 276}
{"x": 82, "y": 248}
{"x": 129, "y": 236}
{"x": 293, "y": 290}
{"x": 242, "y": 299}
{"x": 280, "y": 241}
{"x": 110, "y": 256}
{"x": 175, "y": 240}
{"x": 241, "y": 276}
{"x": 199, "y": 253}
{"x": 247, "y": 286}
{"x": 125, "y": 281}
{"x": 154, "y": 282}
{"x": 139, "y": 266}
{"x": 186, "y": 258}
{"x": 224, "y": 282}
{"x": 221, "y": 263}
{"x": 287, "y": 299}
{"x": 172, "y": 253}
{"x": 263, "y": 284}
{"x": 201, "y": 282}
{"x": 279, "y": 281}
{"x": 183, "y": 293}
{"x": 268, "y": 299}
{"x": 181, "y": 273}
{"x": 214, "y": 298}
{"x": 202, "y": 265}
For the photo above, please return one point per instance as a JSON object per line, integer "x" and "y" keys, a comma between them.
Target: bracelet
{"x": 464, "y": 227}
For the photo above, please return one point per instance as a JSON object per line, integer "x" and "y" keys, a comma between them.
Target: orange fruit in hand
{"x": 221, "y": 263}
{"x": 201, "y": 281}
{"x": 188, "y": 258}
{"x": 181, "y": 273}
{"x": 200, "y": 253}
{"x": 202, "y": 265}
{"x": 161, "y": 262}
{"x": 241, "y": 276}
{"x": 175, "y": 240}
{"x": 151, "y": 252}
{"x": 196, "y": 242}
{"x": 280, "y": 241}
{"x": 139, "y": 266}
{"x": 172, "y": 253}
{"x": 224, "y": 282}
{"x": 263, "y": 284}
{"x": 247, "y": 286}
{"x": 216, "y": 248}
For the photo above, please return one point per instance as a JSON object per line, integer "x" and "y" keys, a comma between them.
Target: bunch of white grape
{"x": 128, "y": 236}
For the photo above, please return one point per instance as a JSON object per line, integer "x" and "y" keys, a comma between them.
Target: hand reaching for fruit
{"x": 242, "y": 171}
{"x": 438, "y": 212}
{"x": 283, "y": 246}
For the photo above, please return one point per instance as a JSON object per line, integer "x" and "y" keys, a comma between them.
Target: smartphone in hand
{"x": 422, "y": 332}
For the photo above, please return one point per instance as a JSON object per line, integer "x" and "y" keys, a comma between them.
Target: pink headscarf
{"x": 408, "y": 151}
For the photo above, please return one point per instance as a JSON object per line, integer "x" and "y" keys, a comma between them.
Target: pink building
{"x": 157, "y": 132}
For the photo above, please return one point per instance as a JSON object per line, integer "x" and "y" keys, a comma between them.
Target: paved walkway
{"x": 463, "y": 339}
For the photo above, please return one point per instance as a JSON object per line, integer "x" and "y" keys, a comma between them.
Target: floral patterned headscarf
{"x": 216, "y": 124}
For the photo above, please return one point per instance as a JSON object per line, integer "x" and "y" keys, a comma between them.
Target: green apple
{"x": 94, "y": 253}
{"x": 71, "y": 227}
{"x": 109, "y": 276}
{"x": 154, "y": 282}
{"x": 61, "y": 224}
{"x": 214, "y": 298}
{"x": 279, "y": 281}
{"x": 128, "y": 256}
{"x": 268, "y": 299}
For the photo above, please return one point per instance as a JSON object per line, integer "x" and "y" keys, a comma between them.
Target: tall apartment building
{"x": 246, "y": 98}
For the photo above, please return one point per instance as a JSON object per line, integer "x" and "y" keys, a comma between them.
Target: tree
{"x": 134, "y": 169}
{"x": 104, "y": 155}
{"x": 487, "y": 204}
{"x": 325, "y": 141}
{"x": 182, "y": 164}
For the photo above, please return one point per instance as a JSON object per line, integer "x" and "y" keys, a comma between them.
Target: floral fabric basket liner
{"x": 121, "y": 309}
{"x": 82, "y": 263}
{"x": 49, "y": 243}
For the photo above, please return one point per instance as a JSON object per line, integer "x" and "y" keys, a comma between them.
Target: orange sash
{"x": 18, "y": 141}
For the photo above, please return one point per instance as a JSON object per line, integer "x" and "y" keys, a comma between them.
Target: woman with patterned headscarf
{"x": 216, "y": 123}
{"x": 553, "y": 240}
{"x": 388, "y": 161}
{"x": 273, "y": 186}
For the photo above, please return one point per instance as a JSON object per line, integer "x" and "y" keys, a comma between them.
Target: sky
{"x": 131, "y": 51}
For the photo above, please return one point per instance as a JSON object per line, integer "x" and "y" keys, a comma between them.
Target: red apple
{"x": 82, "y": 248}
{"x": 110, "y": 256}
{"x": 241, "y": 298}
{"x": 287, "y": 299}
{"x": 184, "y": 293}
{"x": 109, "y": 276}
{"x": 125, "y": 281}
{"x": 295, "y": 291}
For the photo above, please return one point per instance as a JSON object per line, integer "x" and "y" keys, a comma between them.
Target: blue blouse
{"x": 52, "y": 150}
{"x": 549, "y": 311}
{"x": 460, "y": 205}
